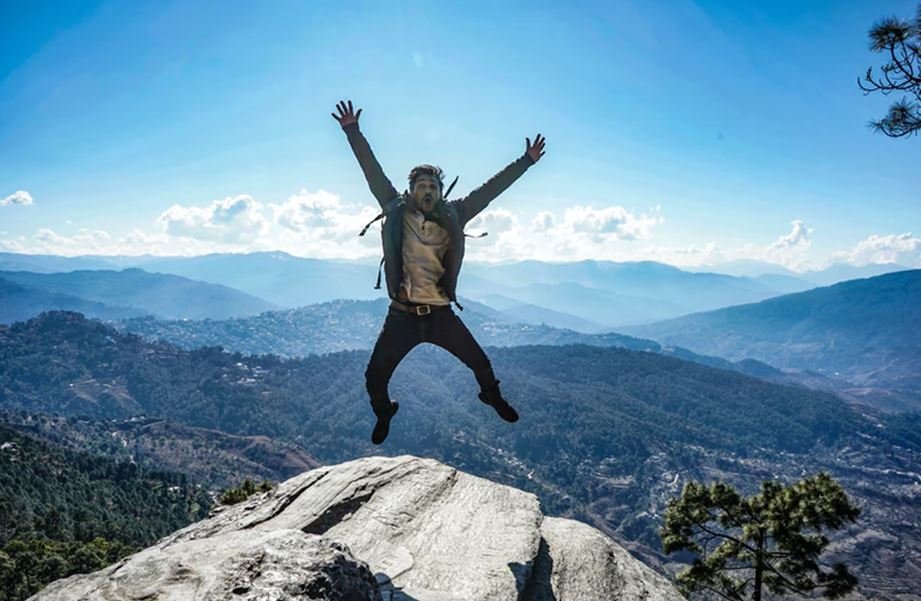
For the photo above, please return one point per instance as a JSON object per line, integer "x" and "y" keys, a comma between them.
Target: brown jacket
{"x": 459, "y": 213}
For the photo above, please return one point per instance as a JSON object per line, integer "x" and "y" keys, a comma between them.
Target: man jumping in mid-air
{"x": 423, "y": 238}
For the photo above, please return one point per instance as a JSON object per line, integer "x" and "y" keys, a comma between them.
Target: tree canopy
{"x": 772, "y": 539}
{"x": 899, "y": 41}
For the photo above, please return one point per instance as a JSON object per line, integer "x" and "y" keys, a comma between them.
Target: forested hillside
{"x": 64, "y": 512}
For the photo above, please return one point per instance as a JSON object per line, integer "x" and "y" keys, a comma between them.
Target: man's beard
{"x": 427, "y": 204}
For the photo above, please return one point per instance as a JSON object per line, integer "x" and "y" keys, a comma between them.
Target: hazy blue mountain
{"x": 615, "y": 294}
{"x": 283, "y": 279}
{"x": 746, "y": 268}
{"x": 574, "y": 295}
{"x": 840, "y": 272}
{"x": 19, "y": 303}
{"x": 837, "y": 272}
{"x": 785, "y": 284}
{"x": 535, "y": 314}
{"x": 607, "y": 435}
{"x": 598, "y": 292}
{"x": 162, "y": 295}
{"x": 864, "y": 330}
{"x": 51, "y": 263}
{"x": 593, "y": 305}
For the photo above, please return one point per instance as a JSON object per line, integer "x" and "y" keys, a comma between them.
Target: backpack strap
{"x": 387, "y": 209}
{"x": 378, "y": 285}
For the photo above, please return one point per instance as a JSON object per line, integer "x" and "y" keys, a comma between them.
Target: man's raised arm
{"x": 380, "y": 186}
{"x": 477, "y": 200}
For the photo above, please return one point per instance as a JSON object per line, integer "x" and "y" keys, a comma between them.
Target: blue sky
{"x": 688, "y": 132}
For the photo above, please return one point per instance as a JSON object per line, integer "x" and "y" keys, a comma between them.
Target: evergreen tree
{"x": 769, "y": 540}
{"x": 232, "y": 496}
{"x": 899, "y": 41}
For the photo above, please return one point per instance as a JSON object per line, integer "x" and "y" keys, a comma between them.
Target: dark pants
{"x": 402, "y": 331}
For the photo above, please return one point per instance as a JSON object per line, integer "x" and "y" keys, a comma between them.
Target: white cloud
{"x": 19, "y": 197}
{"x": 495, "y": 221}
{"x": 797, "y": 238}
{"x": 903, "y": 249}
{"x": 543, "y": 221}
{"x": 315, "y": 224}
{"x": 320, "y": 224}
{"x": 608, "y": 223}
{"x": 790, "y": 249}
{"x": 582, "y": 232}
{"x": 237, "y": 219}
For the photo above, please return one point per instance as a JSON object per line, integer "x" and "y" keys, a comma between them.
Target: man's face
{"x": 426, "y": 193}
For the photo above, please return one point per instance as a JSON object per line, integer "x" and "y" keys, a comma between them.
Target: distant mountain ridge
{"x": 348, "y": 325}
{"x": 132, "y": 291}
{"x": 588, "y": 296}
{"x": 582, "y": 294}
{"x": 351, "y": 325}
{"x": 863, "y": 330}
{"x": 19, "y": 303}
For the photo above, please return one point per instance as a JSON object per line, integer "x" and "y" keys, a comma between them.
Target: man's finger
{"x": 351, "y": 110}
{"x": 358, "y": 114}
{"x": 341, "y": 107}
{"x": 335, "y": 117}
{"x": 528, "y": 142}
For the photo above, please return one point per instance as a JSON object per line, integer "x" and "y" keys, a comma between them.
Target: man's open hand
{"x": 536, "y": 150}
{"x": 346, "y": 115}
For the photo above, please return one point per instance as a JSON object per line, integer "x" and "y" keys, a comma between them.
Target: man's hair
{"x": 432, "y": 170}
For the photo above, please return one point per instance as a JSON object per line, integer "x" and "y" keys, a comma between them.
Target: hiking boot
{"x": 494, "y": 399}
{"x": 382, "y": 427}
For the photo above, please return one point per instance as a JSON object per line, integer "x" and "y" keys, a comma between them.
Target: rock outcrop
{"x": 378, "y": 528}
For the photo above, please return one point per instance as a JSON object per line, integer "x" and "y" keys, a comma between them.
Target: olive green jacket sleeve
{"x": 477, "y": 200}
{"x": 380, "y": 186}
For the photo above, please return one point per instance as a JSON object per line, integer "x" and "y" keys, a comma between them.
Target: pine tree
{"x": 899, "y": 41}
{"x": 770, "y": 540}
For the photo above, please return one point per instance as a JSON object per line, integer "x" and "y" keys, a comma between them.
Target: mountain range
{"x": 112, "y": 294}
{"x": 351, "y": 325}
{"x": 607, "y": 435}
{"x": 865, "y": 331}
{"x": 588, "y": 296}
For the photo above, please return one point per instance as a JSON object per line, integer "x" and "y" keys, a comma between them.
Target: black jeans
{"x": 402, "y": 331}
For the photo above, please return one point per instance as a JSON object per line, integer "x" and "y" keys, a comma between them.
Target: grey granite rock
{"x": 281, "y": 565}
{"x": 424, "y": 530}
